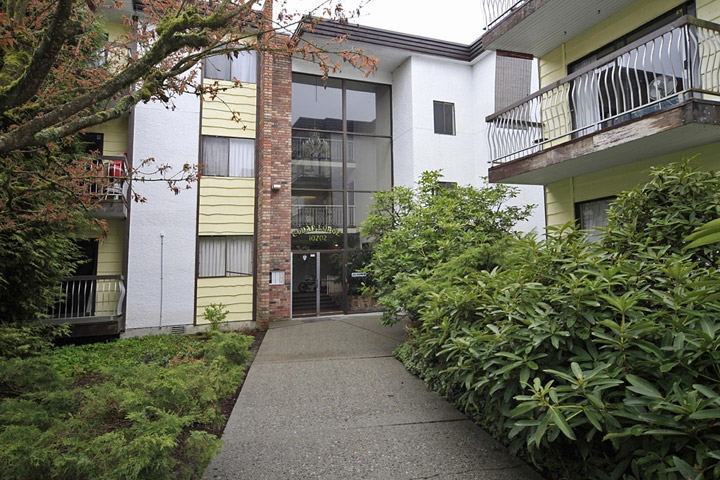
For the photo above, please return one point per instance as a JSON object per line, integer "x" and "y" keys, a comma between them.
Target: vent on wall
{"x": 177, "y": 330}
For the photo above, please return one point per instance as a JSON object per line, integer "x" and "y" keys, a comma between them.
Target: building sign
{"x": 316, "y": 233}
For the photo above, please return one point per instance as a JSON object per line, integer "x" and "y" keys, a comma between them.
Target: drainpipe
{"x": 162, "y": 258}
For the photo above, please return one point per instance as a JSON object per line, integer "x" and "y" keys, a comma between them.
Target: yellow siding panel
{"x": 227, "y": 206}
{"x": 708, "y": 10}
{"x": 217, "y": 114}
{"x": 235, "y": 293}
{"x": 559, "y": 208}
{"x": 115, "y": 136}
{"x": 110, "y": 250}
{"x": 562, "y": 196}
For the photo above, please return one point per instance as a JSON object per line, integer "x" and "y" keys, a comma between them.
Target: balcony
{"x": 89, "y": 299}
{"x": 531, "y": 26}
{"x": 321, "y": 215}
{"x": 112, "y": 187}
{"x": 657, "y": 95}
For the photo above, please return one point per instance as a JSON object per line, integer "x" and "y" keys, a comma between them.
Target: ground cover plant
{"x": 136, "y": 408}
{"x": 595, "y": 360}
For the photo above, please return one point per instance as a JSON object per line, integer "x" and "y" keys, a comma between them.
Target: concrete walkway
{"x": 325, "y": 399}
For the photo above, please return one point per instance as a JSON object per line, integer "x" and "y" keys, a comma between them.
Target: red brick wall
{"x": 272, "y": 302}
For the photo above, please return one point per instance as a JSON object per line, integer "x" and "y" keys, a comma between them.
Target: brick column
{"x": 272, "y": 302}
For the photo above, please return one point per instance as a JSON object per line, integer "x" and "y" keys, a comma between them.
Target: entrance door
{"x": 316, "y": 289}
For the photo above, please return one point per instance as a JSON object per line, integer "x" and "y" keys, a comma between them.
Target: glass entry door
{"x": 316, "y": 289}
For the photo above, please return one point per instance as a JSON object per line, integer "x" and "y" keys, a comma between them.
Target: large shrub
{"x": 419, "y": 230}
{"x": 596, "y": 360}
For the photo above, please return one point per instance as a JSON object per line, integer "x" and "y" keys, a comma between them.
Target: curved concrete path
{"x": 325, "y": 399}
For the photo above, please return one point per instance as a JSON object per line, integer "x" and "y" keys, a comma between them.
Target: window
{"x": 444, "y": 118}
{"x": 513, "y": 72}
{"x": 229, "y": 67}
{"x": 592, "y": 216}
{"x": 228, "y": 157}
{"x": 225, "y": 256}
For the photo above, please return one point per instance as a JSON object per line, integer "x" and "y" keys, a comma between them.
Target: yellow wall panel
{"x": 708, "y": 10}
{"x": 217, "y": 114}
{"x": 235, "y": 293}
{"x": 227, "y": 206}
{"x": 115, "y": 138}
{"x": 558, "y": 202}
{"x": 110, "y": 250}
{"x": 562, "y": 196}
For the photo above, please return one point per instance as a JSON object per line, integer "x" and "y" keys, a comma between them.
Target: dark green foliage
{"x": 130, "y": 409}
{"x": 28, "y": 340}
{"x": 417, "y": 231}
{"x": 597, "y": 361}
{"x": 43, "y": 212}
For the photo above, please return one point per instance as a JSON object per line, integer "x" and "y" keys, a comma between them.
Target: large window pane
{"x": 314, "y": 208}
{"x": 316, "y": 104}
{"x": 317, "y": 160}
{"x": 368, "y": 108}
{"x": 358, "y": 211}
{"x": 369, "y": 163}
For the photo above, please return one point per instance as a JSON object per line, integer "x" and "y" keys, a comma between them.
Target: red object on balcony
{"x": 115, "y": 169}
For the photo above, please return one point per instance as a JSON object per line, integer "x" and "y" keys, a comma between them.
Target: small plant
{"x": 215, "y": 313}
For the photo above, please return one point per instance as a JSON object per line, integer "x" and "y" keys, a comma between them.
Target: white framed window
{"x": 444, "y": 117}
{"x": 228, "y": 157}
{"x": 242, "y": 67}
{"x": 225, "y": 256}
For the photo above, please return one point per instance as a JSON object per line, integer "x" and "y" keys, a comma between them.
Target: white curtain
{"x": 215, "y": 156}
{"x": 239, "y": 256}
{"x": 242, "y": 158}
{"x": 244, "y": 67}
{"x": 225, "y": 256}
{"x": 212, "y": 257}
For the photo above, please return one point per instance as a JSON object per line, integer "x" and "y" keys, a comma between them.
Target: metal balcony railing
{"x": 678, "y": 62}
{"x": 111, "y": 184}
{"x": 496, "y": 10}
{"x": 321, "y": 215}
{"x": 90, "y": 296}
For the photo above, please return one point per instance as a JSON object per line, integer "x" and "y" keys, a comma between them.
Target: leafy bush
{"x": 417, "y": 231}
{"x": 595, "y": 360}
{"x": 131, "y": 409}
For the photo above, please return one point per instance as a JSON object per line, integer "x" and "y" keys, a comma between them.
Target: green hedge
{"x": 594, "y": 360}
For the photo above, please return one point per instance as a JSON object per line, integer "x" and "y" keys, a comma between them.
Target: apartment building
{"x": 624, "y": 85}
{"x": 271, "y": 230}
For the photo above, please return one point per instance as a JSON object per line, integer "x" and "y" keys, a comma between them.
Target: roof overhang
{"x": 539, "y": 26}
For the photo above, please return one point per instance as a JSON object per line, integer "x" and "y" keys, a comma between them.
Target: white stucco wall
{"x": 463, "y": 157}
{"x": 161, "y": 248}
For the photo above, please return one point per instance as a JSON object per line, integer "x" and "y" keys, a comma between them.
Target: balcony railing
{"x": 321, "y": 215}
{"x": 90, "y": 297}
{"x": 496, "y": 10}
{"x": 675, "y": 63}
